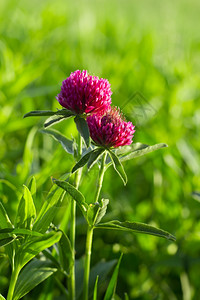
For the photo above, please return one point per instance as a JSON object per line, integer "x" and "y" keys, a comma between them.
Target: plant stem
{"x": 101, "y": 175}
{"x": 90, "y": 233}
{"x": 73, "y": 225}
{"x": 13, "y": 281}
{"x": 87, "y": 262}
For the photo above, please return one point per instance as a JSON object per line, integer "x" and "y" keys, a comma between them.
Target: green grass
{"x": 147, "y": 47}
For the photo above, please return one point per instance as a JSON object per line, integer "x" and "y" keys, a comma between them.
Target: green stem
{"x": 73, "y": 226}
{"x": 87, "y": 262}
{"x": 13, "y": 281}
{"x": 101, "y": 175}
{"x": 90, "y": 233}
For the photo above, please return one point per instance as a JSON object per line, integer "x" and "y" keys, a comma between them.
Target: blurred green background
{"x": 150, "y": 53}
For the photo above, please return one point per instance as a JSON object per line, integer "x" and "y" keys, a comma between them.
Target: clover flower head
{"x": 111, "y": 129}
{"x": 83, "y": 93}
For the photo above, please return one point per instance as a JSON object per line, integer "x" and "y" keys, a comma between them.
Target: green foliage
{"x": 136, "y": 227}
{"x": 65, "y": 143}
{"x": 83, "y": 129}
{"x": 32, "y": 274}
{"x": 137, "y": 149}
{"x": 113, "y": 282}
{"x": 95, "y": 289}
{"x": 132, "y": 47}
{"x": 74, "y": 193}
{"x": 118, "y": 167}
{"x": 96, "y": 212}
{"x": 26, "y": 211}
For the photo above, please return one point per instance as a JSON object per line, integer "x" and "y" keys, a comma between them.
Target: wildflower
{"x": 83, "y": 93}
{"x": 111, "y": 129}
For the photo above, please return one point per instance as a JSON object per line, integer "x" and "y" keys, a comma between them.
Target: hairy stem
{"x": 87, "y": 262}
{"x": 73, "y": 226}
{"x": 101, "y": 175}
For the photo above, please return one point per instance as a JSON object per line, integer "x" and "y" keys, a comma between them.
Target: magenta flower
{"x": 110, "y": 130}
{"x": 83, "y": 93}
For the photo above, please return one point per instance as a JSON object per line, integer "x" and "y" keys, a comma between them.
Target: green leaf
{"x": 4, "y": 219}
{"x": 118, "y": 167}
{"x": 1, "y": 297}
{"x": 102, "y": 210}
{"x": 65, "y": 143}
{"x": 32, "y": 274}
{"x": 83, "y": 129}
{"x": 20, "y": 231}
{"x": 53, "y": 120}
{"x": 5, "y": 241}
{"x": 47, "y": 253}
{"x": 26, "y": 211}
{"x": 33, "y": 247}
{"x": 95, "y": 155}
{"x": 65, "y": 253}
{"x": 76, "y": 194}
{"x": 126, "y": 296}
{"x": 44, "y": 222}
{"x": 136, "y": 227}
{"x": 101, "y": 269}
{"x": 32, "y": 187}
{"x": 95, "y": 289}
{"x": 4, "y": 223}
{"x": 41, "y": 113}
{"x": 138, "y": 149}
{"x": 96, "y": 211}
{"x": 49, "y": 208}
{"x": 113, "y": 282}
{"x": 81, "y": 162}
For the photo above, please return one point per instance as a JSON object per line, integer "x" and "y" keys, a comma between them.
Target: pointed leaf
{"x": 5, "y": 241}
{"x": 113, "y": 282}
{"x": 81, "y": 162}
{"x": 39, "y": 113}
{"x": 95, "y": 155}
{"x": 37, "y": 244}
{"x": 95, "y": 289}
{"x": 2, "y": 298}
{"x": 102, "y": 210}
{"x": 26, "y": 211}
{"x": 96, "y": 211}
{"x": 32, "y": 274}
{"x": 83, "y": 129}
{"x": 53, "y": 120}
{"x": 118, "y": 167}
{"x": 136, "y": 227}
{"x": 92, "y": 212}
{"x": 20, "y": 231}
{"x": 49, "y": 208}
{"x": 4, "y": 219}
{"x": 65, "y": 253}
{"x": 4, "y": 223}
{"x": 139, "y": 150}
{"x": 32, "y": 187}
{"x": 76, "y": 194}
{"x": 126, "y": 296}
{"x": 101, "y": 269}
{"x": 65, "y": 143}
{"x": 47, "y": 253}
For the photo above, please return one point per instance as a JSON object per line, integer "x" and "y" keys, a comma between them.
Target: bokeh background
{"x": 150, "y": 53}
